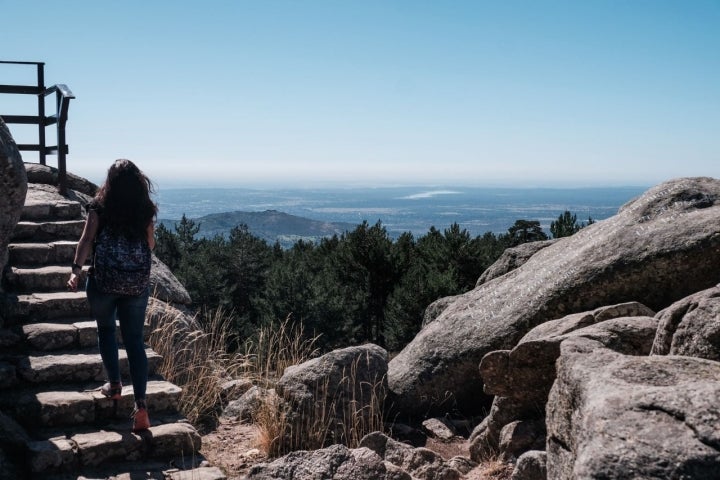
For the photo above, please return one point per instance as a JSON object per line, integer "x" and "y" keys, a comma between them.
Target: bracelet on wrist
{"x": 75, "y": 266}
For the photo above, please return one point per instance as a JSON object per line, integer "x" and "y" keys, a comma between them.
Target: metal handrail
{"x": 62, "y": 104}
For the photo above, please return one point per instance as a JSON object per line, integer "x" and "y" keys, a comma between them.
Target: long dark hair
{"x": 124, "y": 200}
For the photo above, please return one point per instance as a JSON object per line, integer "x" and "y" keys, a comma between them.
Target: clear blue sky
{"x": 583, "y": 92}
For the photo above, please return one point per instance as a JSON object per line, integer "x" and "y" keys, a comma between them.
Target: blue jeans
{"x": 130, "y": 312}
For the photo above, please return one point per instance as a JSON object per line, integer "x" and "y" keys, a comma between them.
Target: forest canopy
{"x": 361, "y": 286}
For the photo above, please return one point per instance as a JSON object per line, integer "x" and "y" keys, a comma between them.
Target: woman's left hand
{"x": 72, "y": 284}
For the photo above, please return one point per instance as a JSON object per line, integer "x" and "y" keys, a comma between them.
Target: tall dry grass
{"x": 276, "y": 347}
{"x": 338, "y": 413}
{"x": 195, "y": 358}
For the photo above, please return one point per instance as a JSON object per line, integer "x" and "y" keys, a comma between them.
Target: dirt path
{"x": 231, "y": 447}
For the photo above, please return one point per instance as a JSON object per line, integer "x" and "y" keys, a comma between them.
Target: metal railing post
{"x": 61, "y": 109}
{"x": 62, "y": 103}
{"x": 41, "y": 111}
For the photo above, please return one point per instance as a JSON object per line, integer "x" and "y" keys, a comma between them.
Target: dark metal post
{"x": 41, "y": 110}
{"x": 61, "y": 109}
{"x": 62, "y": 101}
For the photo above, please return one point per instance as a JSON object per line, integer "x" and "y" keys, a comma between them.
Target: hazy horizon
{"x": 401, "y": 209}
{"x": 330, "y": 185}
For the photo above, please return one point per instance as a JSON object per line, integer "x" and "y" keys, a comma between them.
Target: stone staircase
{"x": 51, "y": 371}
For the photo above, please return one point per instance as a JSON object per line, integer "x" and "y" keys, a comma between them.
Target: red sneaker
{"x": 141, "y": 420}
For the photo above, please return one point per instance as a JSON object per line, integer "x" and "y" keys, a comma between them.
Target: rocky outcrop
{"x": 47, "y": 175}
{"x": 337, "y": 462}
{"x": 615, "y": 416}
{"x": 658, "y": 249}
{"x": 434, "y": 310}
{"x": 248, "y": 407}
{"x": 346, "y": 384}
{"x": 511, "y": 259}
{"x": 377, "y": 457}
{"x": 165, "y": 286}
{"x": 527, "y": 371}
{"x": 420, "y": 463}
{"x": 691, "y": 327}
{"x": 522, "y": 377}
{"x": 13, "y": 185}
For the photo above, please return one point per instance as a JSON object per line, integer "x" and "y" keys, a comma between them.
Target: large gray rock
{"x": 521, "y": 436}
{"x": 434, "y": 310}
{"x": 161, "y": 314}
{"x": 658, "y": 249}
{"x": 511, "y": 259}
{"x": 527, "y": 371}
{"x": 522, "y": 377}
{"x": 691, "y": 327}
{"x": 13, "y": 188}
{"x": 341, "y": 389}
{"x": 531, "y": 465}
{"x": 249, "y": 405}
{"x": 614, "y": 416}
{"x": 484, "y": 441}
{"x": 165, "y": 286}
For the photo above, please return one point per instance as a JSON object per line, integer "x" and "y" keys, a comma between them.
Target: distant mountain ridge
{"x": 270, "y": 225}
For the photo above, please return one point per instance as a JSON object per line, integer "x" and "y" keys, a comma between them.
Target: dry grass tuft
{"x": 195, "y": 358}
{"x": 272, "y": 424}
{"x": 339, "y": 413}
{"x": 276, "y": 347}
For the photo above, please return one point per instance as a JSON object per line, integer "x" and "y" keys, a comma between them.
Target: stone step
{"x": 44, "y": 231}
{"x": 71, "y": 367}
{"x": 86, "y": 450}
{"x": 67, "y": 407}
{"x": 62, "y": 334}
{"x": 40, "y": 336}
{"x": 80, "y": 332}
{"x": 25, "y": 254}
{"x": 51, "y": 209}
{"x": 43, "y": 306}
{"x": 38, "y": 279}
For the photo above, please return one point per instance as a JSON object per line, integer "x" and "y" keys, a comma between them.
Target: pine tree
{"x": 565, "y": 225}
{"x": 524, "y": 231}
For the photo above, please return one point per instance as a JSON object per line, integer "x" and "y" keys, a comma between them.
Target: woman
{"x": 121, "y": 212}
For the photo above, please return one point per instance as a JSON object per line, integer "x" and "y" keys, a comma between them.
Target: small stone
{"x": 439, "y": 428}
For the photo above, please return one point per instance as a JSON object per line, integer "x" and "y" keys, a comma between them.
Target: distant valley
{"x": 287, "y": 215}
{"x": 270, "y": 225}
